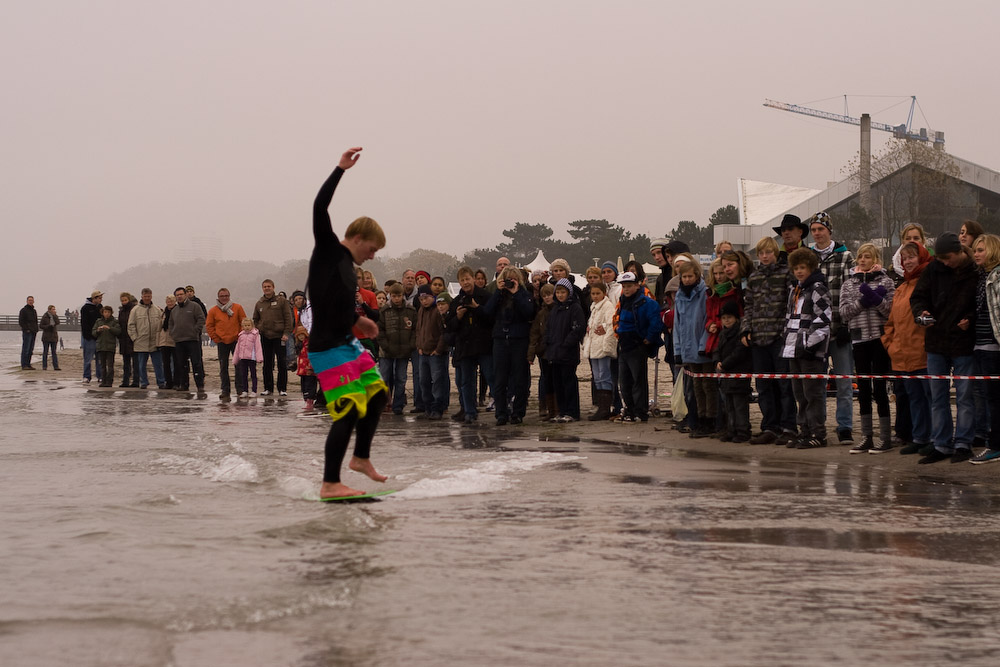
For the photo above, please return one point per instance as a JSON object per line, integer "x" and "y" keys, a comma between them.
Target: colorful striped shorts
{"x": 348, "y": 376}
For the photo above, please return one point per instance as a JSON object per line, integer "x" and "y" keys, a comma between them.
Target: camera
{"x": 925, "y": 320}
{"x": 508, "y": 283}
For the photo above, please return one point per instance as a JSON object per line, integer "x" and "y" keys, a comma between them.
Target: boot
{"x": 604, "y": 398}
{"x": 884, "y": 443}
{"x": 705, "y": 428}
{"x": 866, "y": 443}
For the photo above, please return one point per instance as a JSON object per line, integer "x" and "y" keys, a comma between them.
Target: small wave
{"x": 232, "y": 468}
{"x": 485, "y": 477}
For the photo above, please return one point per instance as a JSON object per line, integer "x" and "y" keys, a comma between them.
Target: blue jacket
{"x": 638, "y": 320}
{"x": 690, "y": 334}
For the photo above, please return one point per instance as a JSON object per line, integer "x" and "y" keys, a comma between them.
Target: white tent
{"x": 539, "y": 263}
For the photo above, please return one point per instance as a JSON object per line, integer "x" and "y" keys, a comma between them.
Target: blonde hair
{"x": 710, "y": 279}
{"x": 870, "y": 249}
{"x": 767, "y": 243}
{"x": 367, "y": 230}
{"x": 718, "y": 246}
{"x": 914, "y": 225}
{"x": 593, "y": 271}
{"x": 246, "y": 321}
{"x": 991, "y": 243}
{"x": 512, "y": 272}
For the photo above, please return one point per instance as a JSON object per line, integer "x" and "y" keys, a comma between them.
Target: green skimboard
{"x": 366, "y": 497}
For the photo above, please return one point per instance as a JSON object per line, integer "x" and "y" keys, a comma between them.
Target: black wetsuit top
{"x": 332, "y": 282}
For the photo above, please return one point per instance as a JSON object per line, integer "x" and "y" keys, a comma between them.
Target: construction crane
{"x": 899, "y": 131}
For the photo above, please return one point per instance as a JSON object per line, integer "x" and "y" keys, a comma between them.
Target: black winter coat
{"x": 474, "y": 332}
{"x": 949, "y": 295}
{"x": 565, "y": 331}
{"x": 511, "y": 313}
{"x": 735, "y": 358}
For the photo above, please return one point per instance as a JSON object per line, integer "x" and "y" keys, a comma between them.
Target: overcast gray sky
{"x": 129, "y": 126}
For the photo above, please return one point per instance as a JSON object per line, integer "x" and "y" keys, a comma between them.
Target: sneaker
{"x": 926, "y": 450}
{"x": 934, "y": 456}
{"x": 282, "y": 393}
{"x": 253, "y": 394}
{"x": 844, "y": 436}
{"x": 458, "y": 416}
{"x": 85, "y": 381}
{"x": 309, "y": 406}
{"x": 516, "y": 420}
{"x": 490, "y": 406}
{"x": 910, "y": 448}
{"x": 766, "y": 438}
{"x": 794, "y": 441}
{"x": 740, "y": 438}
{"x": 881, "y": 447}
{"x": 786, "y": 437}
{"x": 502, "y": 421}
{"x": 863, "y": 447}
{"x": 811, "y": 443}
{"x": 961, "y": 455}
{"x": 244, "y": 395}
{"x": 627, "y": 419}
{"x": 434, "y": 416}
{"x": 265, "y": 393}
{"x": 985, "y": 456}
{"x": 567, "y": 419}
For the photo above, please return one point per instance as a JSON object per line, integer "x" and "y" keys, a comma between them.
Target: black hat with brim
{"x": 791, "y": 222}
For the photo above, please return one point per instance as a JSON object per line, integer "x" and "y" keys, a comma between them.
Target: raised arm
{"x": 322, "y": 227}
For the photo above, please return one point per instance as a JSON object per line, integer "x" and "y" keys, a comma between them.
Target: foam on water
{"x": 232, "y": 468}
{"x": 484, "y": 477}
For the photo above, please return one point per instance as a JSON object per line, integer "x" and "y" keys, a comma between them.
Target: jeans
{"x": 169, "y": 363}
{"x": 988, "y": 363}
{"x": 842, "y": 356}
{"x": 511, "y": 376}
{"x": 775, "y": 398}
{"x": 600, "y": 370}
{"x": 633, "y": 379}
{"x": 434, "y": 381}
{"x": 106, "y": 366}
{"x": 811, "y": 397}
{"x": 394, "y": 373}
{"x": 27, "y": 347}
{"x": 224, "y": 351}
{"x": 737, "y": 408}
{"x": 567, "y": 389}
{"x": 140, "y": 364}
{"x": 189, "y": 351}
{"x": 982, "y": 360}
{"x": 130, "y": 370}
{"x": 46, "y": 347}
{"x": 941, "y": 423}
{"x": 919, "y": 394}
{"x": 467, "y": 390}
{"x": 89, "y": 355}
{"x": 274, "y": 350}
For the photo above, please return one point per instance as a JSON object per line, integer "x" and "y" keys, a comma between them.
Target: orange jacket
{"x": 903, "y": 338}
{"x": 224, "y": 329}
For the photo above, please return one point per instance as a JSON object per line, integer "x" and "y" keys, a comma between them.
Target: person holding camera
{"x": 944, "y": 303}
{"x": 512, "y": 310}
{"x": 472, "y": 327}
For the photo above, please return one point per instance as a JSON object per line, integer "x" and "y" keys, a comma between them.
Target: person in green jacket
{"x": 106, "y": 331}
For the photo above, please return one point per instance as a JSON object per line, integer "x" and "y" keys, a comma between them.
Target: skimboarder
{"x": 355, "y": 393}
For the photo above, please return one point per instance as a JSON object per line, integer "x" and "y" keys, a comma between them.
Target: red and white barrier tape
{"x": 831, "y": 376}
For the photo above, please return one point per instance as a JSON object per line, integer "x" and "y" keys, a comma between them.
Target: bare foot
{"x": 338, "y": 490}
{"x": 365, "y": 467}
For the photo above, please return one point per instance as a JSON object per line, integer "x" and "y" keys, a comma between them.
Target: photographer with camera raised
{"x": 512, "y": 310}
{"x": 472, "y": 327}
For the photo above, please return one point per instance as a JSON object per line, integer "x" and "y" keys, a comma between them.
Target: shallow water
{"x": 149, "y": 530}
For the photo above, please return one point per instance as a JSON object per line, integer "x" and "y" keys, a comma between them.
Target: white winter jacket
{"x": 597, "y": 347}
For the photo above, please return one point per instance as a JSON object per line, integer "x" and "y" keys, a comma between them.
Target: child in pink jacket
{"x": 247, "y": 354}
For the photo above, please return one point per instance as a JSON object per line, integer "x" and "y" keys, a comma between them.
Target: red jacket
{"x": 713, "y": 315}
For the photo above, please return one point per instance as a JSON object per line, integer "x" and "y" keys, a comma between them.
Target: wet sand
{"x": 657, "y": 432}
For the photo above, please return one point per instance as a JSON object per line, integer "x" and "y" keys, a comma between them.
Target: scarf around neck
{"x": 227, "y": 308}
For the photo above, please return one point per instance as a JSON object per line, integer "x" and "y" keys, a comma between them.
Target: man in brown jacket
{"x": 223, "y": 324}
{"x": 272, "y": 315}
